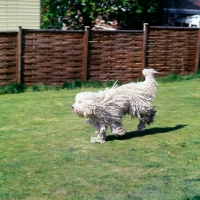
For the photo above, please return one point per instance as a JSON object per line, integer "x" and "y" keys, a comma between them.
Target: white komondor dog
{"x": 106, "y": 108}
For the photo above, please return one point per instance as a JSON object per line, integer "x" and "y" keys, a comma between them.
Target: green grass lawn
{"x": 45, "y": 152}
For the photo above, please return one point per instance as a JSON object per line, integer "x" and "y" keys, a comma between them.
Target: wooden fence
{"x": 173, "y": 50}
{"x": 54, "y": 56}
{"x": 8, "y": 57}
{"x": 51, "y": 57}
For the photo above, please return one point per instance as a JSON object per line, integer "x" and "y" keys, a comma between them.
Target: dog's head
{"x": 85, "y": 104}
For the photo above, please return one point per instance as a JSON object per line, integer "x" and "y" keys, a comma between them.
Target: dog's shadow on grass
{"x": 150, "y": 131}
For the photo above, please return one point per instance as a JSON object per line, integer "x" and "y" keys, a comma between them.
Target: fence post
{"x": 144, "y": 56}
{"x": 197, "y": 50}
{"x": 85, "y": 53}
{"x": 19, "y": 55}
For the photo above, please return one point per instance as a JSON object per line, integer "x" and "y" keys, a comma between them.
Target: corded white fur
{"x": 106, "y": 108}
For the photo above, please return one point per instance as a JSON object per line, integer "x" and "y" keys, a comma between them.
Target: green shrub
{"x": 67, "y": 85}
{"x": 55, "y": 87}
{"x": 110, "y": 83}
{"x": 12, "y": 88}
{"x": 77, "y": 84}
{"x": 177, "y": 77}
{"x": 94, "y": 84}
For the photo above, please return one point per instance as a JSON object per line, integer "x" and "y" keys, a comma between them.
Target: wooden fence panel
{"x": 172, "y": 50}
{"x": 8, "y": 57}
{"x": 115, "y": 55}
{"x": 51, "y": 57}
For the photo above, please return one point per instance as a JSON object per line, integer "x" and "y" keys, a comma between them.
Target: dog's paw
{"x": 140, "y": 129}
{"x": 119, "y": 133}
{"x": 123, "y": 132}
{"x": 93, "y": 139}
{"x": 96, "y": 140}
{"x": 141, "y": 126}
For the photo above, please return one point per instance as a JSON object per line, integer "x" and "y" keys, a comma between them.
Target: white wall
{"x": 14, "y": 13}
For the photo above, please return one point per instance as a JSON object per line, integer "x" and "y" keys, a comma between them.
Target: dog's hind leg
{"x": 152, "y": 114}
{"x": 146, "y": 119}
{"x": 141, "y": 125}
{"x": 116, "y": 129}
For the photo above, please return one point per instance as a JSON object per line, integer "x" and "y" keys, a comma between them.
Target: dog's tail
{"x": 149, "y": 85}
{"x": 141, "y": 96}
{"x": 149, "y": 72}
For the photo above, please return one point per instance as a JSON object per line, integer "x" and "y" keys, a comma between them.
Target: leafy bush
{"x": 94, "y": 84}
{"x": 12, "y": 89}
{"x": 77, "y": 84}
{"x": 67, "y": 85}
{"x": 177, "y": 77}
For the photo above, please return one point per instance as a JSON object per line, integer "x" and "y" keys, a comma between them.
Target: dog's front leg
{"x": 101, "y": 135}
{"x": 100, "y": 131}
